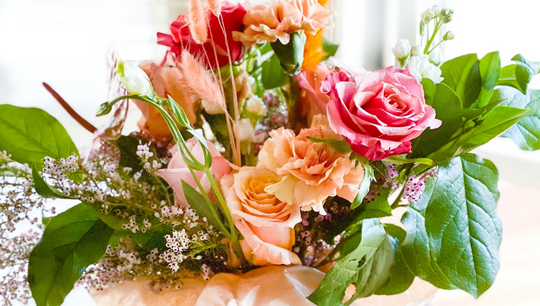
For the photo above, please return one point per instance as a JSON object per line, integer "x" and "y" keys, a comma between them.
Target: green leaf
{"x": 448, "y": 109}
{"x": 377, "y": 208}
{"x": 72, "y": 241}
{"x": 375, "y": 272}
{"x": 494, "y": 123}
{"x": 329, "y": 48}
{"x": 396, "y": 159}
{"x": 400, "y": 276}
{"x": 526, "y": 132}
{"x": 346, "y": 270}
{"x": 198, "y": 203}
{"x": 273, "y": 75}
{"x": 462, "y": 75}
{"x": 44, "y": 189}
{"x": 30, "y": 134}
{"x": 490, "y": 69}
{"x": 369, "y": 176}
{"x": 453, "y": 231}
{"x": 342, "y": 146}
{"x": 519, "y": 74}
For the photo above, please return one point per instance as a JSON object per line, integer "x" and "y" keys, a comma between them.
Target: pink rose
{"x": 378, "y": 112}
{"x": 266, "y": 223}
{"x": 177, "y": 171}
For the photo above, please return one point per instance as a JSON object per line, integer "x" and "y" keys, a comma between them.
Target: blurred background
{"x": 63, "y": 43}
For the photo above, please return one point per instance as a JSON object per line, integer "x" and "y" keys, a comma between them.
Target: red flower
{"x": 232, "y": 18}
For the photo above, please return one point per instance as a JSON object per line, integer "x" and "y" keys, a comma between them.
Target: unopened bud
{"x": 435, "y": 10}
{"x": 435, "y": 57}
{"x": 446, "y": 15}
{"x": 402, "y": 51}
{"x": 448, "y": 36}
{"x": 134, "y": 79}
{"x": 422, "y": 28}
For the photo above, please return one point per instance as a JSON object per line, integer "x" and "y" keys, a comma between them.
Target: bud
{"x": 446, "y": 15}
{"x": 422, "y": 28}
{"x": 427, "y": 16}
{"x": 435, "y": 57}
{"x": 417, "y": 50}
{"x": 255, "y": 105}
{"x": 402, "y": 49}
{"x": 448, "y": 36}
{"x": 291, "y": 55}
{"x": 134, "y": 79}
{"x": 435, "y": 10}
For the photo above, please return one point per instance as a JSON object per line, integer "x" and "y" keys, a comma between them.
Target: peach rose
{"x": 177, "y": 170}
{"x": 266, "y": 223}
{"x": 166, "y": 80}
{"x": 311, "y": 172}
{"x": 275, "y": 20}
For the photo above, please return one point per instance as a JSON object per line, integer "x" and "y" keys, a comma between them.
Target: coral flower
{"x": 311, "y": 172}
{"x": 275, "y": 20}
{"x": 166, "y": 81}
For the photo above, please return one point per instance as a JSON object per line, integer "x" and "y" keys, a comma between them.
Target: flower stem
{"x": 435, "y": 31}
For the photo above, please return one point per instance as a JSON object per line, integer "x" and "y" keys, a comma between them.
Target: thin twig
{"x": 85, "y": 124}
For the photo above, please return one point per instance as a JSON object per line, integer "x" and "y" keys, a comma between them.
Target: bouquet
{"x": 262, "y": 160}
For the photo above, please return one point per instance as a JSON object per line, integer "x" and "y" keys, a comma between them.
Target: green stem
{"x": 292, "y": 101}
{"x": 440, "y": 42}
{"x": 180, "y": 141}
{"x": 430, "y": 41}
{"x": 225, "y": 208}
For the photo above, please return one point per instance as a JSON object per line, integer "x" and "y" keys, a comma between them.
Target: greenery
{"x": 72, "y": 241}
{"x": 31, "y": 134}
{"x": 453, "y": 232}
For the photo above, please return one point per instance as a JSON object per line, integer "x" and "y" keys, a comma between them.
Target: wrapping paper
{"x": 270, "y": 286}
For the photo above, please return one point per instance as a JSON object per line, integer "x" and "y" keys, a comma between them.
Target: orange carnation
{"x": 277, "y": 19}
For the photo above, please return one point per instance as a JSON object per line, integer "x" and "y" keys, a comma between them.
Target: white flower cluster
{"x": 18, "y": 200}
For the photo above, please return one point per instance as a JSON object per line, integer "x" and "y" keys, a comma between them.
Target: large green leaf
{"x": 30, "y": 134}
{"x": 347, "y": 269}
{"x": 72, "y": 241}
{"x": 519, "y": 74}
{"x": 375, "y": 271}
{"x": 453, "y": 231}
{"x": 462, "y": 74}
{"x": 526, "y": 133}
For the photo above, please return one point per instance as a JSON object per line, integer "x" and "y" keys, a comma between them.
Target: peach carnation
{"x": 266, "y": 222}
{"x": 311, "y": 172}
{"x": 275, "y": 20}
